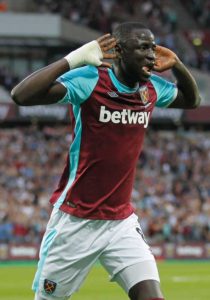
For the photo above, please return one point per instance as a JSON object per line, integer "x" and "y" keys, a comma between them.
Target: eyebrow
{"x": 143, "y": 38}
{"x": 140, "y": 42}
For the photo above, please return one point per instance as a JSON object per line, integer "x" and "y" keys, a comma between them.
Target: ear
{"x": 118, "y": 50}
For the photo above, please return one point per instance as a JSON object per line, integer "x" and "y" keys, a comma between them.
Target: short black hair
{"x": 122, "y": 31}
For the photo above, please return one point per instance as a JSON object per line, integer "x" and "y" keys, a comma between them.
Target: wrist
{"x": 74, "y": 59}
{"x": 89, "y": 53}
{"x": 178, "y": 63}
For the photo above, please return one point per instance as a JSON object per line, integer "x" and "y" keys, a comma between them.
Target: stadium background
{"x": 172, "y": 187}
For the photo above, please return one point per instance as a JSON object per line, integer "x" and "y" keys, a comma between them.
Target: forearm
{"x": 41, "y": 87}
{"x": 187, "y": 84}
{"x": 37, "y": 85}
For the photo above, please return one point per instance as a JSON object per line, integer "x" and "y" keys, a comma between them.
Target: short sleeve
{"x": 79, "y": 83}
{"x": 166, "y": 91}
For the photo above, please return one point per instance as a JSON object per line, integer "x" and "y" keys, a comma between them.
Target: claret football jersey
{"x": 109, "y": 121}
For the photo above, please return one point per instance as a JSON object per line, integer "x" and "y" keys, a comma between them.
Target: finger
{"x": 107, "y": 42}
{"x": 109, "y": 46}
{"x": 158, "y": 47}
{"x": 157, "y": 50}
{"x": 157, "y": 63}
{"x": 110, "y": 55}
{"x": 162, "y": 67}
{"x": 157, "y": 68}
{"x": 161, "y": 49}
{"x": 106, "y": 64}
{"x": 103, "y": 37}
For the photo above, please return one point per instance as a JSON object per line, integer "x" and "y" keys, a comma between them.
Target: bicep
{"x": 180, "y": 101}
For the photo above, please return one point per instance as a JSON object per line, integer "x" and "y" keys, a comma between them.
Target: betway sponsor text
{"x": 125, "y": 116}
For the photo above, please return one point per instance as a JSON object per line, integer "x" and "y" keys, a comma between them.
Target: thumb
{"x": 106, "y": 64}
{"x": 94, "y": 60}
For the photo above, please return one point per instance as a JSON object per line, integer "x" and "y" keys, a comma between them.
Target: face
{"x": 137, "y": 55}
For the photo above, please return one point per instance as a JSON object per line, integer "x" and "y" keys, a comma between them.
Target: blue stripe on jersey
{"x": 166, "y": 91}
{"x": 120, "y": 86}
{"x": 74, "y": 153}
{"x": 79, "y": 84}
{"x": 46, "y": 243}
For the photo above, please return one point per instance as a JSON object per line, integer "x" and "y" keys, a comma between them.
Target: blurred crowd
{"x": 200, "y": 10}
{"x": 172, "y": 189}
{"x": 104, "y": 15}
{"x": 31, "y": 161}
{"x": 171, "y": 193}
{"x": 159, "y": 15}
{"x": 7, "y": 78}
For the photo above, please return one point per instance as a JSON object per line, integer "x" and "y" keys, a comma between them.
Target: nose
{"x": 151, "y": 54}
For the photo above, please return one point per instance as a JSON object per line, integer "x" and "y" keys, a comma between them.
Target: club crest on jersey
{"x": 144, "y": 94}
{"x": 49, "y": 286}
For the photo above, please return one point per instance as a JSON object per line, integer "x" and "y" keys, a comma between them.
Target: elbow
{"x": 17, "y": 97}
{"x": 197, "y": 102}
{"x": 193, "y": 103}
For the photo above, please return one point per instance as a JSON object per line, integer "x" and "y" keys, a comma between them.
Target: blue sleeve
{"x": 166, "y": 91}
{"x": 79, "y": 83}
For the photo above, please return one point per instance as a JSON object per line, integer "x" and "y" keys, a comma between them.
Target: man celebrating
{"x": 110, "y": 111}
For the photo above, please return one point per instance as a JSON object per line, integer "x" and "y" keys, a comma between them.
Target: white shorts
{"x": 72, "y": 245}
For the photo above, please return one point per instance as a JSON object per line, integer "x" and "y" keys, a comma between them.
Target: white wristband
{"x": 88, "y": 54}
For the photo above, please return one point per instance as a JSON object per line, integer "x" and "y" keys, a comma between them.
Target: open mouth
{"x": 147, "y": 70}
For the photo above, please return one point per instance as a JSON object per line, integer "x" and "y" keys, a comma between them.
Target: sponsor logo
{"x": 49, "y": 286}
{"x": 112, "y": 94}
{"x": 189, "y": 250}
{"x": 125, "y": 116}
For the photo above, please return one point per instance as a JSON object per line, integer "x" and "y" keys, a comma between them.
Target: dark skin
{"x": 42, "y": 88}
{"x": 146, "y": 290}
{"x": 130, "y": 56}
{"x": 139, "y": 50}
{"x": 134, "y": 59}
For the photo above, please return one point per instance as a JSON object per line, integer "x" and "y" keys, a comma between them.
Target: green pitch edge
{"x": 189, "y": 260}
{"x": 34, "y": 262}
{"x": 18, "y": 263}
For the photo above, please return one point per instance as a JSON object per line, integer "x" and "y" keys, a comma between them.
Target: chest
{"x": 107, "y": 105}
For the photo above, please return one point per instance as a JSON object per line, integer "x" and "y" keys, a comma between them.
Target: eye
{"x": 143, "y": 47}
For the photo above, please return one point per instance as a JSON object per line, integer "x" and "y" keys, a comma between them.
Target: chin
{"x": 144, "y": 79}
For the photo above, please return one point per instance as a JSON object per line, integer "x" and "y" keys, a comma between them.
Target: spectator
{"x": 171, "y": 193}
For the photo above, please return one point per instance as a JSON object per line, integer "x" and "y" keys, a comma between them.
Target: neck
{"x": 123, "y": 77}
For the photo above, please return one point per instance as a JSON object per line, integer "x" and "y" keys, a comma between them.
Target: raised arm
{"x": 41, "y": 86}
{"x": 188, "y": 95}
